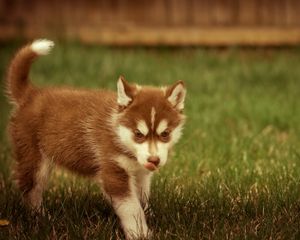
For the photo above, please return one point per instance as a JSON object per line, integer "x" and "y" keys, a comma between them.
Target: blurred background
{"x": 156, "y": 22}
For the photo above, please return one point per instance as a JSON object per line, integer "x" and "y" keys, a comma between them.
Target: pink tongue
{"x": 150, "y": 166}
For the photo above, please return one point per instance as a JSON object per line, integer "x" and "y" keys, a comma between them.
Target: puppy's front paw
{"x": 146, "y": 234}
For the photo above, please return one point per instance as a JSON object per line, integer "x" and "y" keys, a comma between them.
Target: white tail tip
{"x": 42, "y": 46}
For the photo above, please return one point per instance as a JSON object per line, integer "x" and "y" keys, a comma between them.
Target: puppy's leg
{"x": 143, "y": 183}
{"x": 31, "y": 173}
{"x": 121, "y": 191}
{"x": 132, "y": 216}
{"x": 35, "y": 196}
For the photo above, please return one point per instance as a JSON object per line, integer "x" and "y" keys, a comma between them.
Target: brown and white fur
{"x": 117, "y": 139}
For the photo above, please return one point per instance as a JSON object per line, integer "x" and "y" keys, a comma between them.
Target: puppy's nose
{"x": 154, "y": 159}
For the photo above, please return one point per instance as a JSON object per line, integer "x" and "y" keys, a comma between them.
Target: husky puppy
{"x": 118, "y": 139}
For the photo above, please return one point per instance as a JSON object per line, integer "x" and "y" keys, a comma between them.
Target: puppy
{"x": 117, "y": 139}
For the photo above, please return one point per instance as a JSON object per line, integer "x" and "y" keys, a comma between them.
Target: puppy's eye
{"x": 165, "y": 136}
{"x": 138, "y": 134}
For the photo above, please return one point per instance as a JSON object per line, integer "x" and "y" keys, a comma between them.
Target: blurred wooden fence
{"x": 155, "y": 22}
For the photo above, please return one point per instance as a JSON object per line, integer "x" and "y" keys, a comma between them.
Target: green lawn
{"x": 235, "y": 173}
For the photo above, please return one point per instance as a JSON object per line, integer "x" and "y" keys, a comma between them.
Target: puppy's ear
{"x": 175, "y": 94}
{"x": 126, "y": 92}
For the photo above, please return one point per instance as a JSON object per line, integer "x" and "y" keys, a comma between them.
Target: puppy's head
{"x": 150, "y": 120}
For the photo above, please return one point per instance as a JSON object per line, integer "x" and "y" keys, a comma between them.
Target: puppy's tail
{"x": 18, "y": 83}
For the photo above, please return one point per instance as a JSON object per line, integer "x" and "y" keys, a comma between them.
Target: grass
{"x": 234, "y": 175}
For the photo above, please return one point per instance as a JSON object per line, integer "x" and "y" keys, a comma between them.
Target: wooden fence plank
{"x": 201, "y": 12}
{"x": 224, "y": 12}
{"x": 293, "y": 12}
{"x": 247, "y": 12}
